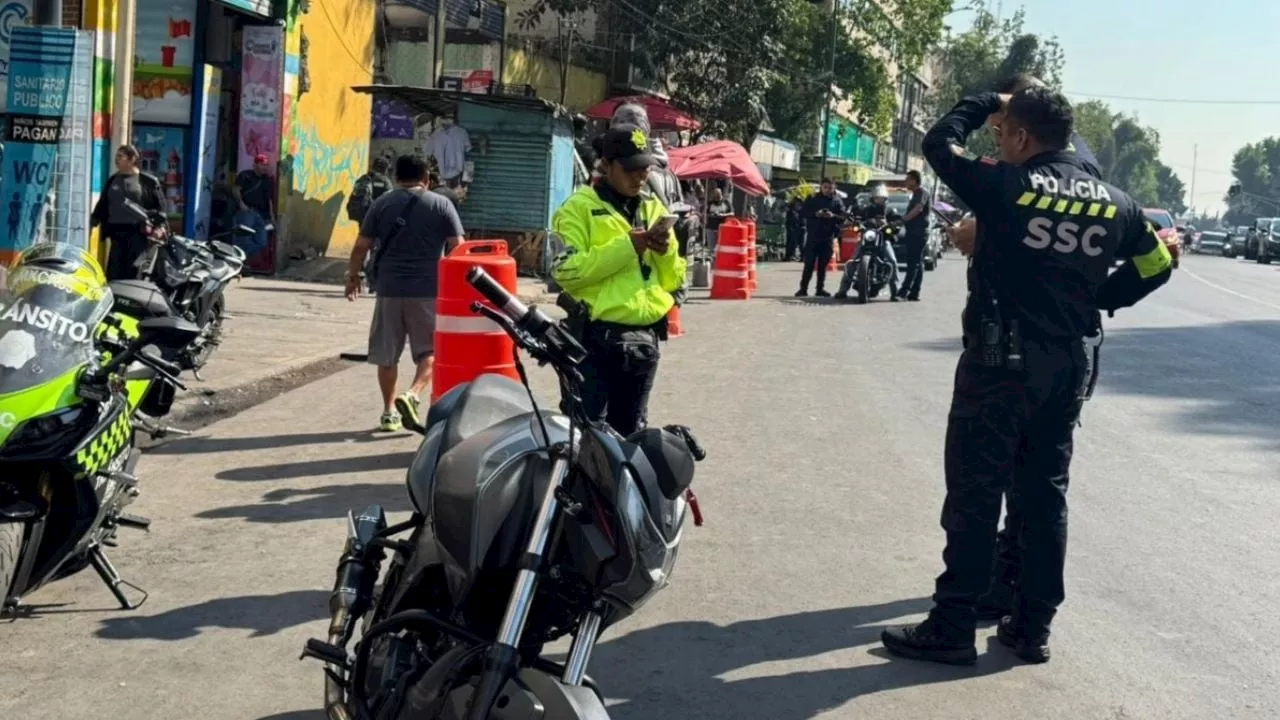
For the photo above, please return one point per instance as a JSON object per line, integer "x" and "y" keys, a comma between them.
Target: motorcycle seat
{"x": 474, "y": 406}
{"x": 140, "y": 297}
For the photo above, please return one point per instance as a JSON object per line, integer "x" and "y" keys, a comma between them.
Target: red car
{"x": 1166, "y": 230}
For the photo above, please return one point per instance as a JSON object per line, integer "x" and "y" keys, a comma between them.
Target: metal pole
{"x": 438, "y": 50}
{"x": 831, "y": 78}
{"x": 122, "y": 85}
{"x": 1195, "y": 159}
{"x": 48, "y": 13}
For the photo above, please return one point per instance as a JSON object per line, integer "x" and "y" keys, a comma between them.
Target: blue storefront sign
{"x": 48, "y": 121}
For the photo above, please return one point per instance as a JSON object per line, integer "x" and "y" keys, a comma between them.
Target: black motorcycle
{"x": 180, "y": 277}
{"x": 529, "y": 526}
{"x": 871, "y": 271}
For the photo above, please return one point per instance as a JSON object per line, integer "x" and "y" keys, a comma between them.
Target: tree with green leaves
{"x": 991, "y": 51}
{"x": 1256, "y": 190}
{"x": 735, "y": 66}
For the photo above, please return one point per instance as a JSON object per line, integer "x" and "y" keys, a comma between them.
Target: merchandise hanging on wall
{"x": 164, "y": 59}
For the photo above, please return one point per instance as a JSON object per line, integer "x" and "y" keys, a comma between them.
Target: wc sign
{"x": 13, "y": 13}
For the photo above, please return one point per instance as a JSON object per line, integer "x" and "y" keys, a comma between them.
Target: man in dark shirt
{"x": 795, "y": 229}
{"x": 412, "y": 227}
{"x": 915, "y": 235}
{"x": 718, "y": 210}
{"x": 255, "y": 188}
{"x": 824, "y": 214}
{"x": 120, "y": 225}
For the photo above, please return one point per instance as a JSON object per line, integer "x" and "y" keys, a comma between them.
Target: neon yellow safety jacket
{"x": 599, "y": 265}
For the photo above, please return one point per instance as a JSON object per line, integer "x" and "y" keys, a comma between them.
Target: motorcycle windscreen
{"x": 47, "y": 325}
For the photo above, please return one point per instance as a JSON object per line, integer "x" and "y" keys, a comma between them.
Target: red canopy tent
{"x": 722, "y": 159}
{"x": 662, "y": 116}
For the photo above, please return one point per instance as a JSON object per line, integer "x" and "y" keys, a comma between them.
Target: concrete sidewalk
{"x": 279, "y": 335}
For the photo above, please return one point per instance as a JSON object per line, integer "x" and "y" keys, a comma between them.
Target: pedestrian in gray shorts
{"x": 411, "y": 227}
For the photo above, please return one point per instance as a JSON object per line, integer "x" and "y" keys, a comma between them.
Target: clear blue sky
{"x": 1223, "y": 50}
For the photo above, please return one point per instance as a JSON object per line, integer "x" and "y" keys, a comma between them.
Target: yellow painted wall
{"x": 584, "y": 89}
{"x": 329, "y": 125}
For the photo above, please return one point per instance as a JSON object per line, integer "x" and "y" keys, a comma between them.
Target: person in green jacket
{"x": 621, "y": 266}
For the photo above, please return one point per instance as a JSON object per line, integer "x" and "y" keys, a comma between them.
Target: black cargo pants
{"x": 818, "y": 250}
{"x": 914, "y": 245}
{"x": 618, "y": 373}
{"x": 1009, "y": 430}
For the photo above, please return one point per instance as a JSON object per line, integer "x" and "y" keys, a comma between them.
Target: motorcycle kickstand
{"x": 195, "y": 373}
{"x": 107, "y": 572}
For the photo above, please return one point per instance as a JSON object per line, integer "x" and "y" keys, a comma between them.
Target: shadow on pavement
{"x": 310, "y": 468}
{"x": 297, "y": 715}
{"x": 336, "y": 293}
{"x": 1218, "y": 368}
{"x": 287, "y": 505}
{"x": 263, "y": 614}
{"x": 205, "y": 444}
{"x": 678, "y": 665}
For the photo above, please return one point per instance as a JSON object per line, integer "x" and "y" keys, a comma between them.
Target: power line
{"x": 1177, "y": 101}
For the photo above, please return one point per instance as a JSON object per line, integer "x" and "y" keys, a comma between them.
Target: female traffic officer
{"x": 621, "y": 267}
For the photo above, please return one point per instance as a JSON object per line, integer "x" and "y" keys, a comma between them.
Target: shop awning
{"x": 662, "y": 115}
{"x": 441, "y": 102}
{"x": 723, "y": 159}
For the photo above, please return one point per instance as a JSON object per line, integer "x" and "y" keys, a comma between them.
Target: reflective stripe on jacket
{"x": 599, "y": 265}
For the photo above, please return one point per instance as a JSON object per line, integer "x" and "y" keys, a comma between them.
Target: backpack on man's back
{"x": 368, "y": 188}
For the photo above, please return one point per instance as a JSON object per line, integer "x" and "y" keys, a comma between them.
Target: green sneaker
{"x": 390, "y": 422}
{"x": 409, "y": 407}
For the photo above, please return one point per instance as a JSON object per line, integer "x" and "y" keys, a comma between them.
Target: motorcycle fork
{"x": 502, "y": 660}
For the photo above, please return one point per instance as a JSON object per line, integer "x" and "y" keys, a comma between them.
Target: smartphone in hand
{"x": 664, "y": 225}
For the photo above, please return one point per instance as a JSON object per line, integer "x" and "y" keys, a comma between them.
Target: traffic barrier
{"x": 833, "y": 265}
{"x": 674, "y": 327}
{"x": 468, "y": 345}
{"x": 752, "y": 282}
{"x": 731, "y": 277}
{"x": 849, "y": 239}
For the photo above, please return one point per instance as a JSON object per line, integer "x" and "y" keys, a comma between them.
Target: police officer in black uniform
{"x": 1048, "y": 235}
{"x": 998, "y": 601}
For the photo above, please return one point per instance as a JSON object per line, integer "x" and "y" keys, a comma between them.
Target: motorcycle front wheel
{"x": 864, "y": 279}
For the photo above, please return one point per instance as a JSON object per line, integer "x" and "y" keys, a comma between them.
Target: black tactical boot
{"x": 1029, "y": 645}
{"x": 927, "y": 641}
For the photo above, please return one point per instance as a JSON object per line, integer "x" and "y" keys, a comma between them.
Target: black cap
{"x": 628, "y": 145}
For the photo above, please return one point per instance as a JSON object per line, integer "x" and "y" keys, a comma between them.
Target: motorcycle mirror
{"x": 168, "y": 330}
{"x": 138, "y": 212}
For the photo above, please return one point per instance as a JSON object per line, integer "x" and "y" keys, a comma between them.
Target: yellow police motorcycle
{"x": 72, "y": 377}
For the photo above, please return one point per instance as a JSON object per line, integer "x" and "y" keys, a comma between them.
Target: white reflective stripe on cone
{"x": 734, "y": 249}
{"x": 462, "y": 325}
{"x": 741, "y": 274}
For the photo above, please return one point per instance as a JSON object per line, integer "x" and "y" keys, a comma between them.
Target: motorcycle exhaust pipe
{"x": 352, "y": 592}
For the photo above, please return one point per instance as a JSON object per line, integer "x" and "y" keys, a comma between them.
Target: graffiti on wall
{"x": 324, "y": 170}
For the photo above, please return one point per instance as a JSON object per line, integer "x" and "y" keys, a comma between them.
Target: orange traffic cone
{"x": 674, "y": 328}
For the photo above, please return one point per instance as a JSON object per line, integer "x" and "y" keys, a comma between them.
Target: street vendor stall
{"x": 719, "y": 160}
{"x": 519, "y": 164}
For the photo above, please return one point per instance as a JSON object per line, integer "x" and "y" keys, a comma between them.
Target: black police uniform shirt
{"x": 823, "y": 228}
{"x": 1048, "y": 233}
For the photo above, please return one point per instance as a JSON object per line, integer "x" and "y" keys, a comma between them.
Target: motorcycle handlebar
{"x": 507, "y": 303}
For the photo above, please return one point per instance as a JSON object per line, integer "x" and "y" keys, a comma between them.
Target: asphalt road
{"x": 822, "y": 491}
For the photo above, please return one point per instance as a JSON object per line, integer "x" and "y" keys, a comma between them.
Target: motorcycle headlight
{"x": 46, "y": 430}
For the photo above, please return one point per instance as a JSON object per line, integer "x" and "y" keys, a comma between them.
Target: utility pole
{"x": 831, "y": 79}
{"x": 1195, "y": 162}
{"x": 48, "y": 13}
{"x": 122, "y": 84}
{"x": 566, "y": 52}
